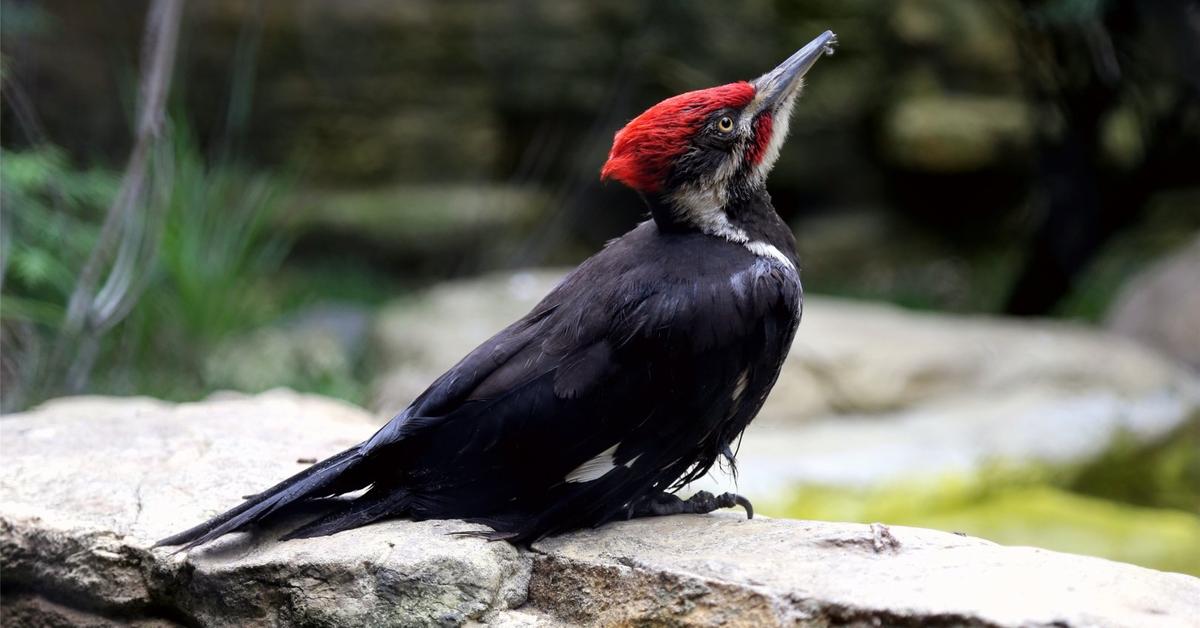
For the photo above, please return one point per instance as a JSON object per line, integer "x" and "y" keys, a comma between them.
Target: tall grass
{"x": 218, "y": 246}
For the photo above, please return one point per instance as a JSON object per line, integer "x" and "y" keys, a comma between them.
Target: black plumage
{"x": 629, "y": 380}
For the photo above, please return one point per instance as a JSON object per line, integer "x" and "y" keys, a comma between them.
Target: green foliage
{"x": 218, "y": 246}
{"x": 1165, "y": 474}
{"x": 52, "y": 214}
{"x": 216, "y": 254}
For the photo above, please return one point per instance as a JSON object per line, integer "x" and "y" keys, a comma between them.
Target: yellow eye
{"x": 725, "y": 124}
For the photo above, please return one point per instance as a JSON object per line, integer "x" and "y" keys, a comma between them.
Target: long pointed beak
{"x": 779, "y": 85}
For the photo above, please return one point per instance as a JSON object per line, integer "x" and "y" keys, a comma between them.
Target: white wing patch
{"x": 739, "y": 387}
{"x": 763, "y": 249}
{"x": 595, "y": 468}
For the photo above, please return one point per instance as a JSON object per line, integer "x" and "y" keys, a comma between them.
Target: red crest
{"x": 643, "y": 151}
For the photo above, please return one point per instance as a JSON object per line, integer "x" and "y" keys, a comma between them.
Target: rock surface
{"x": 87, "y": 484}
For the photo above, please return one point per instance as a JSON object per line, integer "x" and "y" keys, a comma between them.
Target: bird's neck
{"x": 744, "y": 216}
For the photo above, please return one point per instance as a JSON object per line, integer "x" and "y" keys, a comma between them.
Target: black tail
{"x": 328, "y": 477}
{"x": 376, "y": 504}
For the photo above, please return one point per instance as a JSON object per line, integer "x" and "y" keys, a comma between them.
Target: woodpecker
{"x": 631, "y": 379}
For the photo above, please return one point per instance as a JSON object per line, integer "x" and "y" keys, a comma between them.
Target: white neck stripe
{"x": 770, "y": 251}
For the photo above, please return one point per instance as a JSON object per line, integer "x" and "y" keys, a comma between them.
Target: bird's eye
{"x": 725, "y": 124}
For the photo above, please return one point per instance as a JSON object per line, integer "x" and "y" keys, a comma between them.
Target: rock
{"x": 348, "y": 324}
{"x": 1015, "y": 510}
{"x": 418, "y": 339}
{"x": 721, "y": 570}
{"x": 958, "y": 437}
{"x": 1161, "y": 306}
{"x": 315, "y": 352}
{"x": 849, "y": 359}
{"x": 89, "y": 483}
{"x": 875, "y": 401}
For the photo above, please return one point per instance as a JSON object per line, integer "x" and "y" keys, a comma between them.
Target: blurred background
{"x": 999, "y": 202}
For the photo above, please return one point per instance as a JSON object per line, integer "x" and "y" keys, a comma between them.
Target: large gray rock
{"x": 1161, "y": 306}
{"x": 869, "y": 392}
{"x": 720, "y": 570}
{"x": 87, "y": 484}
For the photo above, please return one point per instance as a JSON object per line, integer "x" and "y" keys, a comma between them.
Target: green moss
{"x": 1163, "y": 474}
{"x": 1021, "y": 514}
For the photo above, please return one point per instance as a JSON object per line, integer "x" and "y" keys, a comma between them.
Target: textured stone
{"x": 87, "y": 484}
{"x": 723, "y": 570}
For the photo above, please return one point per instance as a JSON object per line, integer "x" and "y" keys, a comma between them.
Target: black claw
{"x": 729, "y": 500}
{"x": 744, "y": 503}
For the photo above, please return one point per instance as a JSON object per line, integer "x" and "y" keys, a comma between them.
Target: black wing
{"x": 645, "y": 368}
{"x": 635, "y": 372}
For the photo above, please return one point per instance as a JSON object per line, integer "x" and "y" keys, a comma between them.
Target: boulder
{"x": 1161, "y": 306}
{"x": 865, "y": 366}
{"x": 920, "y": 418}
{"x": 318, "y": 348}
{"x": 88, "y": 484}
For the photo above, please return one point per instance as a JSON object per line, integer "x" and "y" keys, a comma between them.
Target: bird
{"x": 631, "y": 379}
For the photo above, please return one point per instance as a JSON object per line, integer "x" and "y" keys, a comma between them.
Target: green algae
{"x": 1031, "y": 514}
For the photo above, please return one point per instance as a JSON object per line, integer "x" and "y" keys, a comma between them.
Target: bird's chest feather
{"x": 723, "y": 299}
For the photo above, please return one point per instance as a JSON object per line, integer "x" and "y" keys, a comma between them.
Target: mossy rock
{"x": 1023, "y": 514}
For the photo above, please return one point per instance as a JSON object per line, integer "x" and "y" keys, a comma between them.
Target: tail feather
{"x": 319, "y": 480}
{"x": 366, "y": 509}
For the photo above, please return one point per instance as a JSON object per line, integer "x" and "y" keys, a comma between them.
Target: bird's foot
{"x": 882, "y": 539}
{"x": 701, "y": 503}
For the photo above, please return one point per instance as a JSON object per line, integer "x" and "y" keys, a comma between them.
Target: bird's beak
{"x": 780, "y": 85}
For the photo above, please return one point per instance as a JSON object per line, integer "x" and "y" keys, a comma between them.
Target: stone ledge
{"x": 87, "y": 484}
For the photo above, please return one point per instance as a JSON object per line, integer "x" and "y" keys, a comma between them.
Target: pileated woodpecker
{"x": 625, "y": 383}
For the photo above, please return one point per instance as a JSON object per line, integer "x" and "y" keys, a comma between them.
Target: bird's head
{"x": 696, "y": 151}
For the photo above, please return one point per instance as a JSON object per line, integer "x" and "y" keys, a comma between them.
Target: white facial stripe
{"x": 766, "y": 250}
{"x": 595, "y": 468}
{"x": 780, "y": 123}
